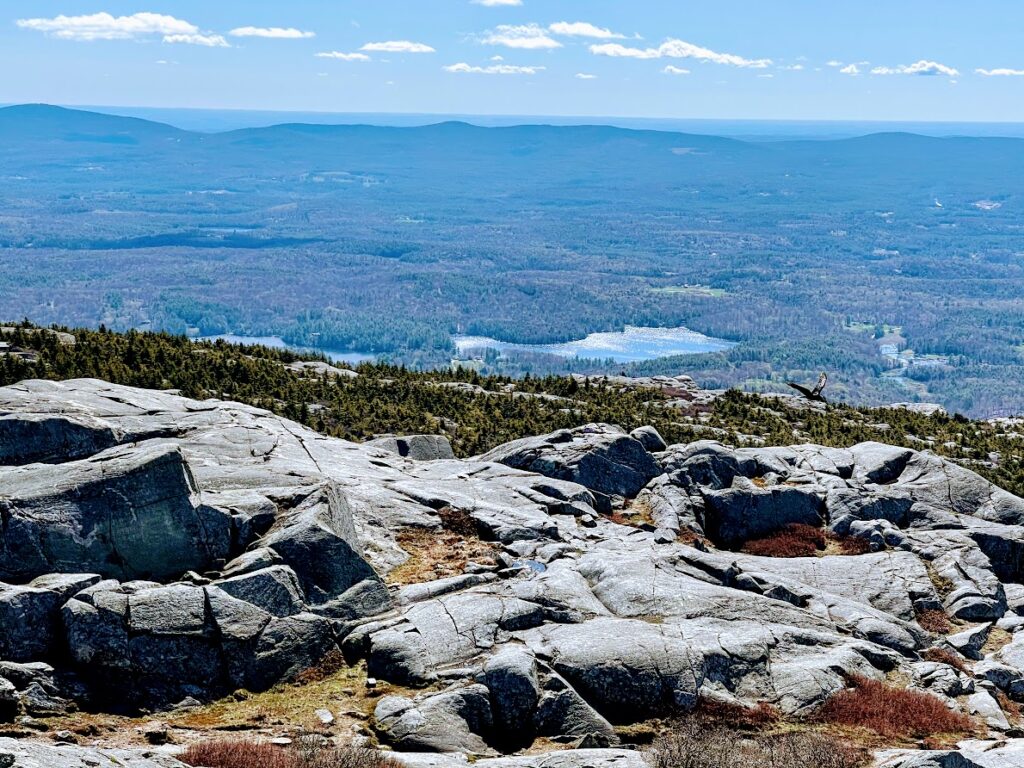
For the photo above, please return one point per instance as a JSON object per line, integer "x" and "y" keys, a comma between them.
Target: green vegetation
{"x": 478, "y": 412}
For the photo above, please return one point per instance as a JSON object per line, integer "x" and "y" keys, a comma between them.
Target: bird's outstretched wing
{"x": 799, "y": 388}
{"x": 822, "y": 381}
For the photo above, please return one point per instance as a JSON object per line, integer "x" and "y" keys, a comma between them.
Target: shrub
{"x": 851, "y": 545}
{"x": 892, "y": 712}
{"x": 935, "y": 621}
{"x": 253, "y": 754}
{"x": 795, "y": 540}
{"x": 944, "y": 656}
{"x": 238, "y": 754}
{"x": 700, "y": 742}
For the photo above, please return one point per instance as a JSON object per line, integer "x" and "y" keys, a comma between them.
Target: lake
{"x": 276, "y": 342}
{"x": 634, "y": 344}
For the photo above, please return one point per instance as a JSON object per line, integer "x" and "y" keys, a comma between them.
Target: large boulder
{"x": 128, "y": 513}
{"x": 452, "y": 721}
{"x": 601, "y": 457}
{"x": 511, "y": 678}
{"x": 152, "y": 645}
{"x": 415, "y": 447}
{"x": 318, "y": 541}
{"x": 52, "y": 438}
{"x": 30, "y": 614}
{"x": 747, "y": 511}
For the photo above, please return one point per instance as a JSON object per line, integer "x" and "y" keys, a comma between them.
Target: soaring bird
{"x": 812, "y": 394}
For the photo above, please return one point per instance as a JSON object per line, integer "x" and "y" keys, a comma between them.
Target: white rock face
{"x": 583, "y": 624}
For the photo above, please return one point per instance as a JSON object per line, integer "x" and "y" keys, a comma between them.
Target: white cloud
{"x": 276, "y": 33}
{"x": 1000, "y": 72}
{"x": 834, "y": 63}
{"x": 341, "y": 56}
{"x": 496, "y": 3}
{"x": 497, "y": 58}
{"x": 850, "y": 69}
{"x": 673, "y": 70}
{"x": 583, "y": 29}
{"x": 922, "y": 68}
{"x": 678, "y": 49}
{"x": 585, "y": 76}
{"x": 494, "y": 69}
{"x": 210, "y": 41}
{"x": 398, "y": 46}
{"x": 523, "y": 36}
{"x": 793, "y": 67}
{"x": 104, "y": 26}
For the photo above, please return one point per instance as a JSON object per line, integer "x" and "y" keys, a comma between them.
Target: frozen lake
{"x": 631, "y": 345}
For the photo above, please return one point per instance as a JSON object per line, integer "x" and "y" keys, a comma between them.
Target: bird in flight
{"x": 812, "y": 394}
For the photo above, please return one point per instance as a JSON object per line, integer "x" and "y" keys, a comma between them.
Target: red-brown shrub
{"x": 935, "y": 621}
{"x": 892, "y": 712}
{"x": 851, "y": 545}
{"x": 944, "y": 656}
{"x": 795, "y": 540}
{"x": 305, "y": 754}
{"x": 239, "y": 754}
{"x": 736, "y": 715}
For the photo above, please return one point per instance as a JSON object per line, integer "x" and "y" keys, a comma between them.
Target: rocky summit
{"x": 160, "y": 552}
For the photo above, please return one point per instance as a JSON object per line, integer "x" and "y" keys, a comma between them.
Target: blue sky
{"x": 943, "y": 60}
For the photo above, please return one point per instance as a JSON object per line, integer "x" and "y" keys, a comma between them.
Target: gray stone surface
{"x": 23, "y": 754}
{"x": 583, "y": 623}
{"x": 415, "y": 447}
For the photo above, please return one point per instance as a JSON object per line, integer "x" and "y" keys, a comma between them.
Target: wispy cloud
{"x": 674, "y": 70}
{"x": 678, "y": 49}
{"x": 850, "y": 69}
{"x": 1000, "y": 72}
{"x": 494, "y": 69}
{"x": 398, "y": 46}
{"x": 341, "y": 56}
{"x": 496, "y": 3}
{"x": 275, "y": 33}
{"x": 921, "y": 68}
{"x": 585, "y": 76}
{"x": 583, "y": 29}
{"x": 523, "y": 36}
{"x": 138, "y": 26}
{"x": 834, "y": 63}
{"x": 210, "y": 41}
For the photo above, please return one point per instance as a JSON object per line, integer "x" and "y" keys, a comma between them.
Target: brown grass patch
{"x": 439, "y": 554}
{"x": 759, "y": 716}
{"x": 996, "y": 640}
{"x": 894, "y": 713}
{"x": 944, "y": 656}
{"x": 254, "y": 754}
{"x": 1010, "y": 707}
{"x": 942, "y": 585}
{"x": 697, "y": 742}
{"x": 935, "y": 621}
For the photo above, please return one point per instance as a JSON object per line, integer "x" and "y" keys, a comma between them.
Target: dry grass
{"x": 943, "y": 586}
{"x": 935, "y": 621}
{"x": 1010, "y": 707}
{"x": 894, "y": 713}
{"x": 996, "y": 640}
{"x": 944, "y": 656}
{"x": 439, "y": 554}
{"x": 254, "y": 754}
{"x": 698, "y": 742}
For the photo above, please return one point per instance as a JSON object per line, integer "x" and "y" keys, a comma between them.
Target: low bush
{"x": 701, "y": 742}
{"x": 801, "y": 540}
{"x": 895, "y": 713}
{"x": 254, "y": 754}
{"x": 238, "y": 754}
{"x": 795, "y": 540}
{"x": 935, "y": 621}
{"x": 944, "y": 656}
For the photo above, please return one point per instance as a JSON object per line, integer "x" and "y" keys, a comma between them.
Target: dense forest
{"x": 479, "y": 412}
{"x": 389, "y": 241}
